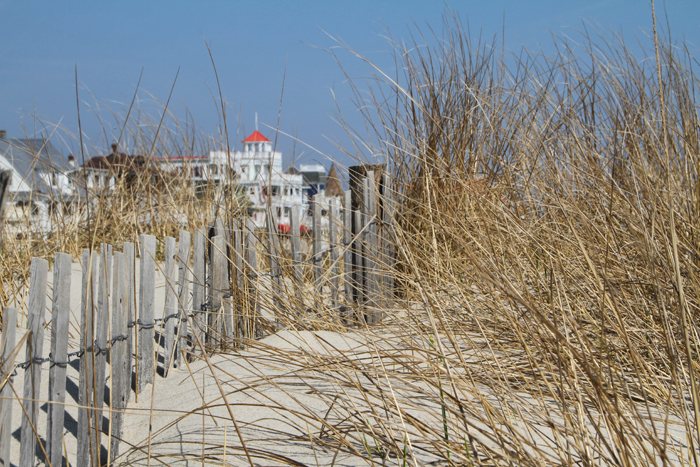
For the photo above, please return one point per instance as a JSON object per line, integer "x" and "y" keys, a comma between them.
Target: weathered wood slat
{"x": 295, "y": 240}
{"x": 372, "y": 273}
{"x": 358, "y": 262}
{"x": 347, "y": 254}
{"x": 388, "y": 238}
{"x": 60, "y": 317}
{"x": 183, "y": 261}
{"x": 318, "y": 244}
{"x": 117, "y": 355}
{"x": 146, "y": 331}
{"x": 239, "y": 325}
{"x": 227, "y": 316}
{"x": 9, "y": 335}
{"x": 274, "y": 251}
{"x": 102, "y": 329}
{"x": 129, "y": 284}
{"x": 253, "y": 329}
{"x": 219, "y": 227}
{"x": 199, "y": 284}
{"x": 170, "y": 313}
{"x": 219, "y": 286}
{"x": 333, "y": 219}
{"x": 35, "y": 347}
{"x": 86, "y": 435}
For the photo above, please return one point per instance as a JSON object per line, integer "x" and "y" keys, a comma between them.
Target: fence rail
{"x": 244, "y": 283}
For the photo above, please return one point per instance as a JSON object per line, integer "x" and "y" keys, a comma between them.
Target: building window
{"x": 252, "y": 190}
{"x": 275, "y": 190}
{"x": 279, "y": 212}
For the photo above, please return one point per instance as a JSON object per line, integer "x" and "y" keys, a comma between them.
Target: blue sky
{"x": 41, "y": 43}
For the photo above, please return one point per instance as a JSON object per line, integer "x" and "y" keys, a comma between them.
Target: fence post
{"x": 238, "y": 321}
{"x": 347, "y": 253}
{"x": 144, "y": 369}
{"x": 60, "y": 317}
{"x": 116, "y": 356}
{"x": 9, "y": 334}
{"x": 102, "y": 330}
{"x": 129, "y": 285}
{"x": 219, "y": 284}
{"x": 35, "y": 347}
{"x": 333, "y": 215}
{"x": 371, "y": 251}
{"x": 183, "y": 297}
{"x": 87, "y": 340}
{"x": 274, "y": 251}
{"x": 199, "y": 284}
{"x": 295, "y": 241}
{"x": 253, "y": 327}
{"x": 170, "y": 311}
{"x": 359, "y": 265}
{"x": 388, "y": 236}
{"x": 317, "y": 247}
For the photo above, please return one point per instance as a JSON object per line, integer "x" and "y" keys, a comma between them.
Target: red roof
{"x": 256, "y": 137}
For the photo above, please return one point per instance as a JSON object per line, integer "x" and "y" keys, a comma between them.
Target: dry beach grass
{"x": 547, "y": 275}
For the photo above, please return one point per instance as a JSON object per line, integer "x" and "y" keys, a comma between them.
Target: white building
{"x": 258, "y": 169}
{"x": 39, "y": 181}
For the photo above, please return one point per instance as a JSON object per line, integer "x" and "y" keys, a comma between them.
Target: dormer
{"x": 256, "y": 142}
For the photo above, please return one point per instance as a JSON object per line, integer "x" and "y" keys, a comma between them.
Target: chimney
{"x": 3, "y": 133}
{"x": 114, "y": 147}
{"x": 71, "y": 161}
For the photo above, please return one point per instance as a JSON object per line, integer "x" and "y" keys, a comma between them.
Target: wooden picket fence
{"x": 234, "y": 298}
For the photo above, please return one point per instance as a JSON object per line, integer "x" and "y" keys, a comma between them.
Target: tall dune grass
{"x": 536, "y": 232}
{"x": 547, "y": 265}
{"x": 547, "y": 268}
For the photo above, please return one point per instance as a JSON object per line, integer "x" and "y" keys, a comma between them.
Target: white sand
{"x": 280, "y": 394}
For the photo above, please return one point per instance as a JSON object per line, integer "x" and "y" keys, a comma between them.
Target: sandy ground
{"x": 187, "y": 410}
{"x": 270, "y": 405}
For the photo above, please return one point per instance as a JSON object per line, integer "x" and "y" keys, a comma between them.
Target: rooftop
{"x": 256, "y": 137}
